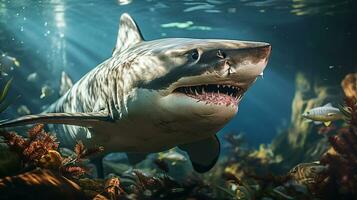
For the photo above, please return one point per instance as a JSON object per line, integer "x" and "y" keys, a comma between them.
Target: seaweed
{"x": 3, "y": 94}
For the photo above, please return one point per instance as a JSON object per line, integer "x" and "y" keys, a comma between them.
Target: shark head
{"x": 187, "y": 85}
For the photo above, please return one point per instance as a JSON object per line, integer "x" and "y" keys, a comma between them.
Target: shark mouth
{"x": 213, "y": 93}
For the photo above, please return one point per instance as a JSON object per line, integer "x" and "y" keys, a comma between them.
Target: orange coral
{"x": 31, "y": 149}
{"x": 349, "y": 85}
{"x": 74, "y": 171}
{"x": 40, "y": 150}
{"x": 113, "y": 189}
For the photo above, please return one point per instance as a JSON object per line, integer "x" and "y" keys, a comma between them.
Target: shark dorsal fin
{"x": 128, "y": 34}
{"x": 328, "y": 105}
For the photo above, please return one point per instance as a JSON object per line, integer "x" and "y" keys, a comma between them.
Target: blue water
{"x": 316, "y": 37}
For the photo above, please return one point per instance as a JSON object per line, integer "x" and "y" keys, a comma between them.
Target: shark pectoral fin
{"x": 78, "y": 119}
{"x": 128, "y": 35}
{"x": 327, "y": 123}
{"x": 135, "y": 158}
{"x": 203, "y": 154}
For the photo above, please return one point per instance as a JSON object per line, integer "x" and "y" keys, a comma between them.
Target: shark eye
{"x": 194, "y": 54}
{"x": 221, "y": 54}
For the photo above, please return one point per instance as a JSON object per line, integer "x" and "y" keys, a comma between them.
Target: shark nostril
{"x": 194, "y": 54}
{"x": 221, "y": 54}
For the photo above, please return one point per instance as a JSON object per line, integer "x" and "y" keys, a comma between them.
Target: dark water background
{"x": 316, "y": 37}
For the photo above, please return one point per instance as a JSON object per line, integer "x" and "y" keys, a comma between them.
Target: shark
{"x": 151, "y": 96}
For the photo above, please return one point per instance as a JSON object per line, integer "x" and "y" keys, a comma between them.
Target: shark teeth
{"x": 211, "y": 91}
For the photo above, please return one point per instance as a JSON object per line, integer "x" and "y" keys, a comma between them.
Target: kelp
{"x": 3, "y": 94}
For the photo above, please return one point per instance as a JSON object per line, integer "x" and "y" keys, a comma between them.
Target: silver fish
{"x": 324, "y": 114}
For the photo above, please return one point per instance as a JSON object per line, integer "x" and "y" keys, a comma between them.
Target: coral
{"x": 349, "y": 85}
{"x": 289, "y": 186}
{"x": 113, "y": 188}
{"x": 40, "y": 149}
{"x": 33, "y": 148}
{"x": 82, "y": 152}
{"x": 341, "y": 159}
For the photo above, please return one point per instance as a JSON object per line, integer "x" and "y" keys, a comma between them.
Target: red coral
{"x": 342, "y": 159}
{"x": 35, "y": 131}
{"x": 16, "y": 142}
{"x": 82, "y": 152}
{"x": 73, "y": 171}
{"x": 113, "y": 188}
{"x": 34, "y": 147}
{"x": 79, "y": 149}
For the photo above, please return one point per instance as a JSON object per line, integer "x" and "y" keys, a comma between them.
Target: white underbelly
{"x": 141, "y": 137}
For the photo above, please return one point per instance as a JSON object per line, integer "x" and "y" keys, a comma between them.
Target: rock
{"x": 116, "y": 163}
{"x": 10, "y": 162}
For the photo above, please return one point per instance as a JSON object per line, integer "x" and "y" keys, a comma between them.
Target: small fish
{"x": 307, "y": 173}
{"x": 325, "y": 114}
{"x": 46, "y": 91}
{"x": 172, "y": 156}
{"x": 33, "y": 77}
{"x": 7, "y": 64}
{"x": 23, "y": 110}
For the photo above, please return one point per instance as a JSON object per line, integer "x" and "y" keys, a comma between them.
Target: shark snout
{"x": 252, "y": 54}
{"x": 248, "y": 61}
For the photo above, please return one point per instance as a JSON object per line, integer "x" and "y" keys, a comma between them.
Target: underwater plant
{"x": 3, "y": 94}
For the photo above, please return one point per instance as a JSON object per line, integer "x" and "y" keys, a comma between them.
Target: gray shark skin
{"x": 154, "y": 95}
